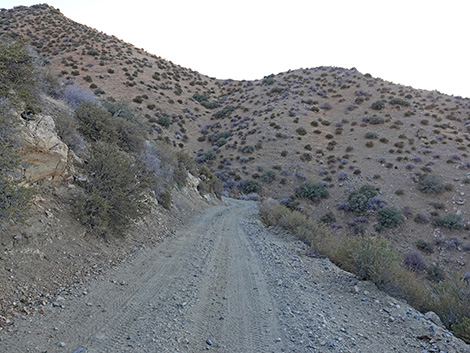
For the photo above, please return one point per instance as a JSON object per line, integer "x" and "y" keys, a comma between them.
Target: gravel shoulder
{"x": 226, "y": 283}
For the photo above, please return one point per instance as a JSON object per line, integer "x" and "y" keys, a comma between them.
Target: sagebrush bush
{"x": 359, "y": 199}
{"x": 75, "y": 95}
{"x": 430, "y": 183}
{"x": 390, "y": 217}
{"x": 268, "y": 176}
{"x": 67, "y": 129}
{"x": 164, "y": 121}
{"x": 414, "y": 261}
{"x": 96, "y": 124}
{"x": 249, "y": 186}
{"x": 453, "y": 305}
{"x": 378, "y": 105}
{"x": 312, "y": 191}
{"x": 114, "y": 194}
{"x": 19, "y": 78}
{"x": 451, "y": 221}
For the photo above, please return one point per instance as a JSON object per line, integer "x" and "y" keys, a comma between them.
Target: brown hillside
{"x": 329, "y": 125}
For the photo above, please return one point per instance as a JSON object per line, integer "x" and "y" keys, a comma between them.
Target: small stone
{"x": 80, "y": 350}
{"x": 431, "y": 315}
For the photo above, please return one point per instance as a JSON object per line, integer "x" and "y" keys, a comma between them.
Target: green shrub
{"x": 268, "y": 176}
{"x": 114, "y": 195}
{"x": 453, "y": 305}
{"x": 359, "y": 199}
{"x": 430, "y": 183}
{"x": 390, "y": 217}
{"x": 378, "y": 105}
{"x": 208, "y": 156}
{"x": 164, "y": 198}
{"x": 17, "y": 72}
{"x": 328, "y": 218}
{"x": 399, "y": 101}
{"x": 461, "y": 328}
{"x": 164, "y": 121}
{"x": 248, "y": 149}
{"x": 375, "y": 120}
{"x": 372, "y": 258}
{"x": 250, "y": 186}
{"x": 312, "y": 191}
{"x": 425, "y": 246}
{"x": 435, "y": 273}
{"x": 301, "y": 131}
{"x": 95, "y": 123}
{"x": 451, "y": 221}
{"x": 224, "y": 112}
{"x": 130, "y": 136}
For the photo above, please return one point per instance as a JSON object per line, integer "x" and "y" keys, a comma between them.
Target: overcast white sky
{"x": 420, "y": 43}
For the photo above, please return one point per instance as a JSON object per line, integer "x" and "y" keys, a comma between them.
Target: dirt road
{"x": 225, "y": 283}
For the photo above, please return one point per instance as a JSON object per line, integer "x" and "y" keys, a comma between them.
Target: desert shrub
{"x": 138, "y": 99}
{"x": 50, "y": 84}
{"x": 269, "y": 80}
{"x": 209, "y": 182}
{"x": 224, "y": 112}
{"x": 371, "y": 135}
{"x": 164, "y": 198}
{"x": 461, "y": 328}
{"x": 249, "y": 186}
{"x": 221, "y": 141}
{"x": 413, "y": 261}
{"x": 430, "y": 183}
{"x": 451, "y": 221}
{"x": 421, "y": 219}
{"x": 67, "y": 129}
{"x": 425, "y": 246}
{"x": 359, "y": 199}
{"x": 375, "y": 120}
{"x": 390, "y": 217}
{"x": 164, "y": 121}
{"x": 312, "y": 191}
{"x": 207, "y": 156}
{"x": 130, "y": 136}
{"x": 453, "y": 305}
{"x": 435, "y": 273}
{"x": 371, "y": 258}
{"x": 378, "y": 105}
{"x": 305, "y": 228}
{"x": 248, "y": 149}
{"x": 18, "y": 72}
{"x": 301, "y": 131}
{"x": 399, "y": 101}
{"x": 268, "y": 176}
{"x": 328, "y": 218}
{"x": 114, "y": 195}
{"x": 75, "y": 95}
{"x": 96, "y": 124}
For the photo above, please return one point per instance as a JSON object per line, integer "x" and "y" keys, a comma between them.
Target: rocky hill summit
{"x": 356, "y": 154}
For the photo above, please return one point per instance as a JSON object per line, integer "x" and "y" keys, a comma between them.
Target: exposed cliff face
{"x": 45, "y": 156}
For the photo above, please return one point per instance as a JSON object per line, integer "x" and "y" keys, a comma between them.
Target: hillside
{"x": 336, "y": 128}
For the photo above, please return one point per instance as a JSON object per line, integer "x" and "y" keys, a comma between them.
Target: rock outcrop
{"x": 45, "y": 156}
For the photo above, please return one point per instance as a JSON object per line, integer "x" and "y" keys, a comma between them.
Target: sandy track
{"x": 227, "y": 284}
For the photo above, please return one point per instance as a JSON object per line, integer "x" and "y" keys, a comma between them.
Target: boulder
{"x": 45, "y": 156}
